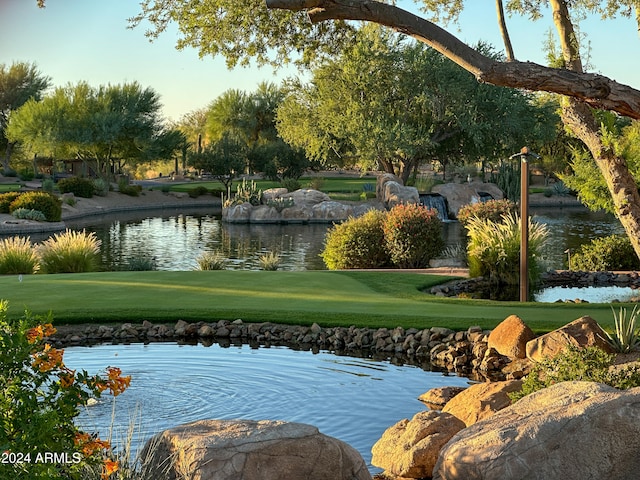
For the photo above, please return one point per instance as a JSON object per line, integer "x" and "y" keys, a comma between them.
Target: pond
{"x": 352, "y": 399}
{"x": 175, "y": 239}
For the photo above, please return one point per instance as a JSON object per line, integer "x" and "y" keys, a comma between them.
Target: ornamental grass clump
{"x": 40, "y": 397}
{"x": 18, "y": 256}
{"x": 493, "y": 250}
{"x": 211, "y": 261}
{"x": 626, "y": 338}
{"x": 490, "y": 210}
{"x": 412, "y": 235}
{"x": 70, "y": 252}
{"x": 356, "y": 243}
{"x": 269, "y": 261}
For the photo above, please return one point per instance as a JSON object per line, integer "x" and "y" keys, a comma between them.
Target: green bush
{"x": 356, "y": 243}
{"x": 6, "y": 199}
{"x": 412, "y": 235}
{"x": 40, "y": 399}
{"x": 70, "y": 252}
{"x": 80, "y": 187}
{"x": 493, "y": 250}
{"x": 18, "y": 256}
{"x": 605, "y": 254}
{"x": 490, "y": 210}
{"x": 48, "y": 185}
{"x": 292, "y": 184}
{"x": 101, "y": 187}
{"x": 29, "y": 214}
{"x": 198, "y": 191}
{"x": 41, "y": 201}
{"x": 142, "y": 264}
{"x": 127, "y": 189}
{"x": 590, "y": 364}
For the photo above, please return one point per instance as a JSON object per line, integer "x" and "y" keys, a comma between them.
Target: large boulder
{"x": 331, "y": 211}
{"x": 380, "y": 184}
{"x": 410, "y": 448}
{"x": 460, "y": 194}
{"x": 481, "y": 400}
{"x": 264, "y": 214}
{"x": 510, "y": 337}
{"x": 583, "y": 332}
{"x": 237, "y": 213}
{"x": 397, "y": 194}
{"x": 251, "y": 450}
{"x": 307, "y": 196}
{"x": 571, "y": 430}
{"x": 438, "y": 397}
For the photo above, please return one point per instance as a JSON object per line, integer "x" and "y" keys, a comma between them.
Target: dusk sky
{"x": 76, "y": 40}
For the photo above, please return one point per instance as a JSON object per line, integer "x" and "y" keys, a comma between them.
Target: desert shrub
{"x": 494, "y": 249}
{"x": 48, "y": 185}
{"x": 281, "y": 203}
{"x": 356, "y": 243}
{"x": 40, "y": 399}
{"x": 316, "y": 183}
{"x": 198, "y": 191}
{"x": 101, "y": 187}
{"x": 18, "y": 256}
{"x": 605, "y": 254}
{"x": 211, "y": 261}
{"x": 269, "y": 261}
{"x": 142, "y": 263}
{"x": 412, "y": 235}
{"x": 29, "y": 214}
{"x": 589, "y": 364}
{"x": 41, "y": 201}
{"x": 292, "y": 184}
{"x": 247, "y": 192}
{"x": 70, "y": 252}
{"x": 6, "y": 199}
{"x": 80, "y": 187}
{"x": 490, "y": 210}
{"x": 126, "y": 188}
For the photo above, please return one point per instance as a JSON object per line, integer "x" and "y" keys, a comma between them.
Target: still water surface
{"x": 176, "y": 239}
{"x": 352, "y": 399}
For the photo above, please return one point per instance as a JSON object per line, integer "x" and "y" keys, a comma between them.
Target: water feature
{"x": 353, "y": 399}
{"x": 590, "y": 294}
{"x": 436, "y": 202}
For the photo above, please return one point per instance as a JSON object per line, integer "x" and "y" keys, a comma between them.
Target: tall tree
{"x": 392, "y": 104}
{"x": 19, "y": 83}
{"x": 110, "y": 125}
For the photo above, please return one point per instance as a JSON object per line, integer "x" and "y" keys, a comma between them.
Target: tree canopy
{"x": 19, "y": 83}
{"x": 110, "y": 125}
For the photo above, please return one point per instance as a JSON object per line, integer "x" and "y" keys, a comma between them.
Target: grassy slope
{"x": 372, "y": 299}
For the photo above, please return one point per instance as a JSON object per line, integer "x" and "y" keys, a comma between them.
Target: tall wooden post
{"x": 524, "y": 224}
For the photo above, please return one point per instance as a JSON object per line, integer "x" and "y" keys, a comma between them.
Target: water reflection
{"x": 176, "y": 238}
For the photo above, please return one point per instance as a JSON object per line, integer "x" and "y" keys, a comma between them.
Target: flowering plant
{"x": 39, "y": 400}
{"x": 490, "y": 210}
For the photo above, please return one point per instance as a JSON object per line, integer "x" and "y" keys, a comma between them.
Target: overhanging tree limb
{"x": 596, "y": 90}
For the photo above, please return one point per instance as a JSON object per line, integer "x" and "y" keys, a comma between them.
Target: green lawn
{"x": 373, "y": 299}
{"x": 9, "y": 187}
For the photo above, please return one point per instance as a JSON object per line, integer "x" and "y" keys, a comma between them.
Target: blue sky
{"x": 74, "y": 40}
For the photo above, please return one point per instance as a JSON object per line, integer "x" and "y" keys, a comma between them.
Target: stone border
{"x": 464, "y": 353}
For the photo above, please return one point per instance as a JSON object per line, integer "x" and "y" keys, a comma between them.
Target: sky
{"x": 88, "y": 40}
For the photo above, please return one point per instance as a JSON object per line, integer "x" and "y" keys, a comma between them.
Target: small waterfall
{"x": 437, "y": 202}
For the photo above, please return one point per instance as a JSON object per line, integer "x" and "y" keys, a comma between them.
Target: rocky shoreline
{"x": 435, "y": 348}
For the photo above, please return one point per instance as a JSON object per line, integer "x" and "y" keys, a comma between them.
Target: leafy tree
{"x": 224, "y": 159}
{"x": 19, "y": 83}
{"x": 392, "y": 104}
{"x": 279, "y": 161}
{"x": 241, "y": 30}
{"x": 110, "y": 125}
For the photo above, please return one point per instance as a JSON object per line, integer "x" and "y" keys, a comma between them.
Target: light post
{"x": 524, "y": 155}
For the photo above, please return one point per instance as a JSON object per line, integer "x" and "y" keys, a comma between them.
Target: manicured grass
{"x": 9, "y": 187}
{"x": 329, "y": 185}
{"x": 372, "y": 299}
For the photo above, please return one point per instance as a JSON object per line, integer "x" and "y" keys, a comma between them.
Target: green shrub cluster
{"x": 29, "y": 214}
{"x": 407, "y": 236}
{"x": 126, "y": 188}
{"x": 412, "y": 235}
{"x": 493, "y": 250}
{"x": 490, "y": 210}
{"x": 357, "y": 243}
{"x": 80, "y": 187}
{"x": 605, "y": 254}
{"x": 101, "y": 187}
{"x": 590, "y": 364}
{"x": 6, "y": 199}
{"x": 44, "y": 202}
{"x": 198, "y": 191}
